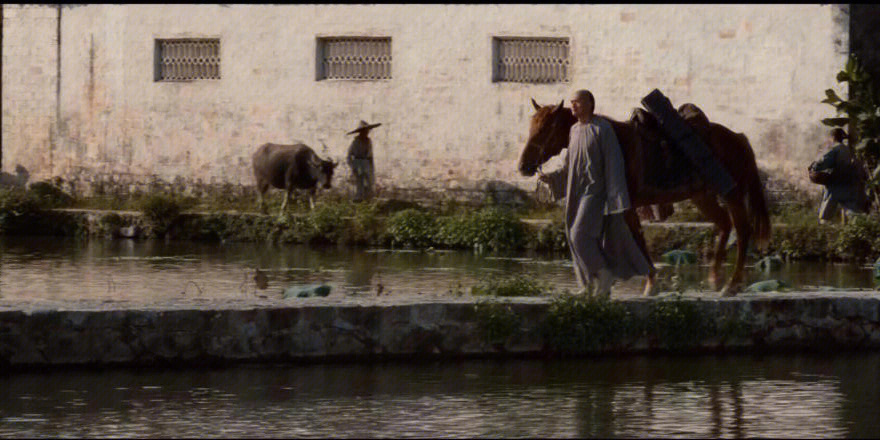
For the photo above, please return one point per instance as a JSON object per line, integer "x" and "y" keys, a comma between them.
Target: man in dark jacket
{"x": 846, "y": 186}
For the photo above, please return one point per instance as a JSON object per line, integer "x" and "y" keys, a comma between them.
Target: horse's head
{"x": 548, "y": 135}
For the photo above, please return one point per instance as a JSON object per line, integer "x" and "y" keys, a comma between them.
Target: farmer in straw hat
{"x": 360, "y": 159}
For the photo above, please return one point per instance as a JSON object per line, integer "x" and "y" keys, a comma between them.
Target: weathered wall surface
{"x": 759, "y": 69}
{"x": 30, "y": 68}
{"x": 864, "y": 21}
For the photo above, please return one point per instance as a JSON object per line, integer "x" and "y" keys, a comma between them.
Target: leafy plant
{"x": 516, "y": 285}
{"x": 49, "y": 195}
{"x": 677, "y": 323}
{"x": 489, "y": 228}
{"x": 859, "y": 238}
{"x": 17, "y": 208}
{"x": 160, "y": 211}
{"x": 330, "y": 220}
{"x": 497, "y": 321}
{"x": 551, "y": 237}
{"x": 411, "y": 227}
{"x": 581, "y": 324}
{"x": 861, "y": 113}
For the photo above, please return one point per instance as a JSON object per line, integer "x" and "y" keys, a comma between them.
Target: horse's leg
{"x": 635, "y": 226}
{"x": 708, "y": 205}
{"x": 737, "y": 210}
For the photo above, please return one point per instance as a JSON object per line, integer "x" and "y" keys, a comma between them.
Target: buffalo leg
{"x": 286, "y": 199}
{"x": 261, "y": 190}
{"x": 708, "y": 205}
{"x": 312, "y": 199}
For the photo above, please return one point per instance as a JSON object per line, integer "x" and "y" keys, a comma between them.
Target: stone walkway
{"x": 60, "y": 333}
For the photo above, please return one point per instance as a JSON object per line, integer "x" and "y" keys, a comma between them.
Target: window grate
{"x": 531, "y": 60}
{"x": 187, "y": 59}
{"x": 354, "y": 58}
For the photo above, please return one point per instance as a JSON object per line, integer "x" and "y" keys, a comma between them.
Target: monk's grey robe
{"x": 593, "y": 181}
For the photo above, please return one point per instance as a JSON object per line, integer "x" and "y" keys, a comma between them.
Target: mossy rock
{"x": 678, "y": 257}
{"x": 769, "y": 264}
{"x": 767, "y": 286}
{"x": 306, "y": 291}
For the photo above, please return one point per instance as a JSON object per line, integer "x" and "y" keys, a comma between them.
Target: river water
{"x": 130, "y": 271}
{"x": 729, "y": 396}
{"x": 693, "y": 396}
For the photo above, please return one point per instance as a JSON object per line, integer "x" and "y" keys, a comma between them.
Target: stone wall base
{"x": 309, "y": 329}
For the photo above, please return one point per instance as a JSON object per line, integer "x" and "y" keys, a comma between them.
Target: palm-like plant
{"x": 861, "y": 115}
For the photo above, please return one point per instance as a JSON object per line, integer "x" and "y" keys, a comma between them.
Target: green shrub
{"x": 412, "y": 228}
{"x": 497, "y": 321}
{"x": 581, "y": 324}
{"x": 662, "y": 240}
{"x": 17, "y": 209}
{"x": 489, "y": 228}
{"x": 160, "y": 211}
{"x": 686, "y": 211}
{"x": 109, "y": 224}
{"x": 810, "y": 241}
{"x": 49, "y": 195}
{"x": 366, "y": 226}
{"x": 677, "y": 323}
{"x": 331, "y": 220}
{"x": 550, "y": 237}
{"x": 516, "y": 285}
{"x": 859, "y": 238}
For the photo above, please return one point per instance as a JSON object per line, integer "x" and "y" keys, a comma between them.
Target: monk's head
{"x": 582, "y": 105}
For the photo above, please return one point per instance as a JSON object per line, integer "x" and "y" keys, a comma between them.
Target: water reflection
{"x": 138, "y": 271}
{"x": 707, "y": 396}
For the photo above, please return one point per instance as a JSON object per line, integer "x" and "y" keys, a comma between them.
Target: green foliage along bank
{"x": 43, "y": 210}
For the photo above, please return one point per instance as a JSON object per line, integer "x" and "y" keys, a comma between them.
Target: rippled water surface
{"x": 137, "y": 271}
{"x": 732, "y": 396}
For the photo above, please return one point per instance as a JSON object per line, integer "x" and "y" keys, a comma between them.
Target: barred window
{"x": 354, "y": 58}
{"x": 187, "y": 59}
{"x": 530, "y": 60}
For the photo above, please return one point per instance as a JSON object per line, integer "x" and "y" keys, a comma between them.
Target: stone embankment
{"x": 301, "y": 329}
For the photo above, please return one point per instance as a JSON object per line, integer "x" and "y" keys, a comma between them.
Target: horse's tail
{"x": 757, "y": 203}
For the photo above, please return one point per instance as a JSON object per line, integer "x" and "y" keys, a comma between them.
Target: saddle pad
{"x": 666, "y": 168}
{"x": 684, "y": 139}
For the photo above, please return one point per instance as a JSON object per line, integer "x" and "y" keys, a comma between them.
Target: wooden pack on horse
{"x": 642, "y": 142}
{"x": 290, "y": 167}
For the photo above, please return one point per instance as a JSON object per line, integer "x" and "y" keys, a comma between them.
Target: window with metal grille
{"x": 531, "y": 60}
{"x": 187, "y": 59}
{"x": 355, "y": 58}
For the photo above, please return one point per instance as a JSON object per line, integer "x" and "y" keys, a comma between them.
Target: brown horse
{"x": 744, "y": 206}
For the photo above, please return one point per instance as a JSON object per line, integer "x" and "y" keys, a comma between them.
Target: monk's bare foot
{"x": 730, "y": 290}
{"x": 650, "y": 288}
{"x": 714, "y": 280}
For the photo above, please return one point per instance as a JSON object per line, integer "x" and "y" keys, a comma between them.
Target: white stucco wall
{"x": 29, "y": 86}
{"x": 759, "y": 69}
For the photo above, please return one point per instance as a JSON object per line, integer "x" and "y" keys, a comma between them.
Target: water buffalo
{"x": 290, "y": 167}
